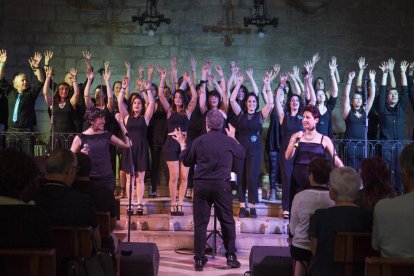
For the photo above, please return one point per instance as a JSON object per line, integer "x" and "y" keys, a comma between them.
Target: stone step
{"x": 161, "y": 205}
{"x": 174, "y": 240}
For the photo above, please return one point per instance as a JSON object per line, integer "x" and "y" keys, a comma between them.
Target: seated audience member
{"x": 66, "y": 207}
{"x": 344, "y": 216}
{"x": 24, "y": 225}
{"x": 394, "y": 217}
{"x": 375, "y": 180}
{"x": 103, "y": 199}
{"x": 304, "y": 205}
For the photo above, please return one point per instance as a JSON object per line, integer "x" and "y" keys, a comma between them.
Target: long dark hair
{"x": 183, "y": 97}
{"x": 131, "y": 102}
{"x": 56, "y": 97}
{"x": 287, "y": 105}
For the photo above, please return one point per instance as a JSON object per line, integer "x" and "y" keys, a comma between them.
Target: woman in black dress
{"x": 249, "y": 134}
{"x": 178, "y": 115}
{"x": 62, "y": 107}
{"x": 136, "y": 122}
{"x": 354, "y": 114}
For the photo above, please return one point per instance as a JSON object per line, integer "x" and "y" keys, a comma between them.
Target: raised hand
{"x": 411, "y": 67}
{"x": 150, "y": 70}
{"x": 232, "y": 64}
{"x": 372, "y": 74}
{"x": 73, "y": 72}
{"x": 391, "y": 64}
{"x": 384, "y": 67}
{"x": 89, "y": 74}
{"x": 106, "y": 65}
{"x": 212, "y": 78}
{"x": 234, "y": 70}
{"x": 3, "y": 56}
{"x": 186, "y": 77}
{"x": 231, "y": 131}
{"x": 173, "y": 63}
{"x": 127, "y": 65}
{"x": 351, "y": 75}
{"x": 35, "y": 60}
{"x": 276, "y": 69}
{"x": 48, "y": 56}
{"x": 147, "y": 85}
{"x": 291, "y": 75}
{"x": 266, "y": 79}
{"x": 87, "y": 56}
{"x": 309, "y": 67}
{"x": 249, "y": 72}
{"x": 164, "y": 74}
{"x": 124, "y": 84}
{"x": 333, "y": 65}
{"x": 107, "y": 74}
{"x": 404, "y": 66}
{"x": 296, "y": 72}
{"x": 193, "y": 63}
{"x": 141, "y": 71}
{"x": 315, "y": 59}
{"x": 219, "y": 70}
{"x": 361, "y": 63}
{"x": 205, "y": 68}
{"x": 49, "y": 72}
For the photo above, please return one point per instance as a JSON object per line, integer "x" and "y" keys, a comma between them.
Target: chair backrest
{"x": 104, "y": 221}
{"x": 73, "y": 242}
{"x": 350, "y": 250}
{"x": 376, "y": 266}
{"x": 28, "y": 261}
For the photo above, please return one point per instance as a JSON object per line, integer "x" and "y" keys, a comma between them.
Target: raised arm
{"x": 391, "y": 65}
{"x": 193, "y": 63}
{"x": 403, "y": 67}
{"x": 46, "y": 94}
{"x": 223, "y": 85}
{"x": 121, "y": 105}
{"x": 173, "y": 75}
{"x": 128, "y": 75}
{"x": 48, "y": 57}
{"x": 278, "y": 105}
{"x": 150, "y": 72}
{"x": 87, "y": 59}
{"x": 346, "y": 107}
{"x": 269, "y": 104}
{"x": 110, "y": 93}
{"x": 234, "y": 105}
{"x": 151, "y": 103}
{"x": 309, "y": 65}
{"x": 371, "y": 90}
{"x": 203, "y": 97}
{"x": 35, "y": 65}
{"x": 362, "y": 66}
{"x": 87, "y": 90}
{"x": 192, "y": 104}
{"x": 385, "y": 70}
{"x": 3, "y": 60}
{"x": 295, "y": 83}
{"x": 299, "y": 86}
{"x": 333, "y": 67}
{"x": 75, "y": 97}
{"x": 310, "y": 89}
{"x": 249, "y": 73}
{"x": 164, "y": 102}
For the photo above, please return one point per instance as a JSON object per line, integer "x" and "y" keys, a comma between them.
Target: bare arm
{"x": 249, "y": 73}
{"x": 269, "y": 104}
{"x": 151, "y": 103}
{"x": 346, "y": 107}
{"x": 164, "y": 102}
{"x": 3, "y": 59}
{"x": 362, "y": 66}
{"x": 291, "y": 148}
{"x": 279, "y": 108}
{"x": 121, "y": 105}
{"x": 110, "y": 93}
{"x": 384, "y": 68}
{"x": 203, "y": 96}
{"x": 391, "y": 64}
{"x": 297, "y": 82}
{"x": 193, "y": 63}
{"x": 35, "y": 64}
{"x": 333, "y": 66}
{"x": 75, "y": 97}
{"x": 193, "y": 101}
{"x": 46, "y": 94}
{"x": 234, "y": 105}
{"x": 86, "y": 92}
{"x": 371, "y": 90}
{"x": 124, "y": 143}
{"x": 128, "y": 75}
{"x": 330, "y": 148}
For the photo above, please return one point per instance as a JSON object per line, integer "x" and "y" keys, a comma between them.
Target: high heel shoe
{"x": 173, "y": 210}
{"x": 140, "y": 210}
{"x": 180, "y": 210}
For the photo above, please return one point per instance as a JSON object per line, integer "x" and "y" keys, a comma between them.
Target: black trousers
{"x": 205, "y": 194}
{"x": 274, "y": 168}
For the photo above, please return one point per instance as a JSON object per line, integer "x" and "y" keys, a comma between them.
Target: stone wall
{"x": 347, "y": 29}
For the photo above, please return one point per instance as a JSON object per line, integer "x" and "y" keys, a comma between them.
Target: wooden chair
{"x": 73, "y": 242}
{"x": 350, "y": 250}
{"x": 28, "y": 261}
{"x": 376, "y": 266}
{"x": 104, "y": 221}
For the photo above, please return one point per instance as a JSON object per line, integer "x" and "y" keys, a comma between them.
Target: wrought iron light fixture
{"x": 151, "y": 17}
{"x": 260, "y": 18}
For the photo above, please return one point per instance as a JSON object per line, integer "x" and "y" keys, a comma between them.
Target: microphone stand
{"x": 52, "y": 113}
{"x": 366, "y": 116}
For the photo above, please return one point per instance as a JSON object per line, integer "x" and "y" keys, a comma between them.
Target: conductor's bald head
{"x": 214, "y": 120}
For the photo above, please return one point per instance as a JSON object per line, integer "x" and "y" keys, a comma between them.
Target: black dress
{"x": 137, "y": 132}
{"x": 171, "y": 149}
{"x": 355, "y": 132}
{"x": 324, "y": 125}
{"x": 290, "y": 125}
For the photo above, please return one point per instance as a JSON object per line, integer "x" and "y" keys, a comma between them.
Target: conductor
{"x": 213, "y": 154}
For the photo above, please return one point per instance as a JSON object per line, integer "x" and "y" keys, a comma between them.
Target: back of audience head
{"x": 84, "y": 165}
{"x": 319, "y": 170}
{"x": 344, "y": 184}
{"x": 375, "y": 176}
{"x": 407, "y": 167}
{"x": 18, "y": 174}
{"x": 62, "y": 163}
{"x": 214, "y": 120}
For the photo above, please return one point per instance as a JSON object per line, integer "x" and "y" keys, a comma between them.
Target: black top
{"x": 66, "y": 206}
{"x": 213, "y": 155}
{"x": 324, "y": 125}
{"x": 290, "y": 125}
{"x": 325, "y": 223}
{"x": 355, "y": 126}
{"x": 103, "y": 199}
{"x": 273, "y": 136}
{"x": 25, "y": 226}
{"x": 63, "y": 118}
{"x": 26, "y": 113}
{"x": 392, "y": 118}
{"x": 157, "y": 128}
{"x": 195, "y": 124}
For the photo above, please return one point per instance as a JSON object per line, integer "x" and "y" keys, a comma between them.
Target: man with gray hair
{"x": 213, "y": 154}
{"x": 344, "y": 216}
{"x": 393, "y": 226}
{"x": 65, "y": 206}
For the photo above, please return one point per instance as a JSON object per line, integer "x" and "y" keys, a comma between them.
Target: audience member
{"x": 66, "y": 207}
{"x": 344, "y": 216}
{"x": 304, "y": 205}
{"x": 394, "y": 218}
{"x": 375, "y": 180}
{"x": 24, "y": 225}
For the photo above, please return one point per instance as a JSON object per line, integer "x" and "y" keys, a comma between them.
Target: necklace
{"x": 308, "y": 138}
{"x": 61, "y": 105}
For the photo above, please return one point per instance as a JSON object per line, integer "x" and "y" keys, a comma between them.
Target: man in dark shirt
{"x": 392, "y": 109}
{"x": 344, "y": 216}
{"x": 65, "y": 206}
{"x": 213, "y": 154}
{"x": 21, "y": 99}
